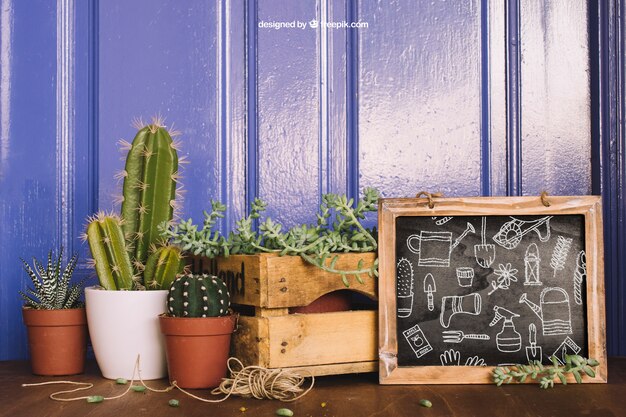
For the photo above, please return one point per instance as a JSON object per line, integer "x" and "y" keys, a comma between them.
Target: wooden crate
{"x": 264, "y": 286}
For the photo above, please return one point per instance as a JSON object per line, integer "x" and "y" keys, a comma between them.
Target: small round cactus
{"x": 198, "y": 296}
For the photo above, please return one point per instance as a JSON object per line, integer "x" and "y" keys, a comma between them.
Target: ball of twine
{"x": 260, "y": 383}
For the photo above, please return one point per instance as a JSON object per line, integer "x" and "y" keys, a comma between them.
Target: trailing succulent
{"x": 127, "y": 250}
{"x": 314, "y": 243}
{"x": 574, "y": 364}
{"x": 51, "y": 284}
{"x": 198, "y": 296}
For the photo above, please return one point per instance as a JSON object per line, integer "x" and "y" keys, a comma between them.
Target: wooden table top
{"x": 346, "y": 395}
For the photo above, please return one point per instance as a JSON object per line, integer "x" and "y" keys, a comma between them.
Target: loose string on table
{"x": 244, "y": 381}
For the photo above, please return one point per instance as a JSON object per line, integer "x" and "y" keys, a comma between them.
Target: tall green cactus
{"x": 108, "y": 250}
{"x": 163, "y": 265}
{"x": 198, "y": 296}
{"x": 149, "y": 189}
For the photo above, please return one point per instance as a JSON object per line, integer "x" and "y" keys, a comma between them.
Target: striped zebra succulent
{"x": 198, "y": 296}
{"x": 51, "y": 284}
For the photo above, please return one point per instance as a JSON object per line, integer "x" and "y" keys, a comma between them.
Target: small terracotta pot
{"x": 57, "y": 340}
{"x": 327, "y": 303}
{"x": 197, "y": 349}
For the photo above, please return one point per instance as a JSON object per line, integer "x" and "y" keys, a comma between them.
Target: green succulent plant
{"x": 547, "y": 375}
{"x": 317, "y": 244}
{"x": 51, "y": 284}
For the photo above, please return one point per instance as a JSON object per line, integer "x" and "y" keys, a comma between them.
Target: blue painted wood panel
{"x": 161, "y": 59}
{"x": 555, "y": 109}
{"x": 419, "y": 104}
{"x": 288, "y": 111}
{"x": 28, "y": 153}
{"x": 465, "y": 97}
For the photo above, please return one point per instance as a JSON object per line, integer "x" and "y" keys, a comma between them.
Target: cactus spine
{"x": 108, "y": 250}
{"x": 198, "y": 296}
{"x": 163, "y": 265}
{"x": 149, "y": 188}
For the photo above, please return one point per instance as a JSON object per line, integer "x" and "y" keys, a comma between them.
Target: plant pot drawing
{"x": 434, "y": 248}
{"x": 57, "y": 340}
{"x": 197, "y": 349}
{"x": 124, "y": 324}
{"x": 465, "y": 276}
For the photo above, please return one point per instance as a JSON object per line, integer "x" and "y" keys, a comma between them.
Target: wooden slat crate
{"x": 265, "y": 286}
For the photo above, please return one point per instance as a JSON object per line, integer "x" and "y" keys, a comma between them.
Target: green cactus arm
{"x": 163, "y": 266}
{"x": 99, "y": 254}
{"x": 149, "y": 188}
{"x": 133, "y": 174}
{"x": 157, "y": 197}
{"x": 108, "y": 249}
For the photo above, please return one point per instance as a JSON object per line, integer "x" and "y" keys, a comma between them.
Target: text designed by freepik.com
{"x": 311, "y": 24}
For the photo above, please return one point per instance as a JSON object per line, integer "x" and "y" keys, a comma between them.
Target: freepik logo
{"x": 311, "y": 24}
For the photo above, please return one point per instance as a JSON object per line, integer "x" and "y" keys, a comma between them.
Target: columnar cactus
{"x": 150, "y": 178}
{"x": 108, "y": 250}
{"x": 163, "y": 265}
{"x": 198, "y": 296}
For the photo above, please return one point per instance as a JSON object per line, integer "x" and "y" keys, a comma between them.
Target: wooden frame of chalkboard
{"x": 470, "y": 281}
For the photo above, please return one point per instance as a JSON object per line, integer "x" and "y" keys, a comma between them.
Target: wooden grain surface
{"x": 340, "y": 342}
{"x": 345, "y": 395}
{"x": 271, "y": 281}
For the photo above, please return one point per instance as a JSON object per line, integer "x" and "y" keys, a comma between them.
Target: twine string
{"x": 244, "y": 381}
{"x": 430, "y": 197}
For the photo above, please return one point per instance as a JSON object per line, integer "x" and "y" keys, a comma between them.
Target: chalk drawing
{"x": 434, "y": 248}
{"x": 417, "y": 340}
{"x": 554, "y": 311}
{"x": 404, "y": 285}
{"x": 511, "y": 233}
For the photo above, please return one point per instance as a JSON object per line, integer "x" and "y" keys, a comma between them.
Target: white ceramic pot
{"x": 124, "y": 324}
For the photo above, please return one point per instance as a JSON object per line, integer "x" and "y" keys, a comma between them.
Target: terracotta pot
{"x": 57, "y": 340}
{"x": 197, "y": 349}
{"x": 328, "y": 303}
{"x": 124, "y": 324}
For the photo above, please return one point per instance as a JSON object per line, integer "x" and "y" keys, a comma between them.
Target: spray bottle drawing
{"x": 508, "y": 340}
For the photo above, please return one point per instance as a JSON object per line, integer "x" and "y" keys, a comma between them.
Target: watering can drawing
{"x": 434, "y": 248}
{"x": 554, "y": 311}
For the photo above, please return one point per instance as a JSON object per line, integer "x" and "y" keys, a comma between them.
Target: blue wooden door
{"x": 464, "y": 97}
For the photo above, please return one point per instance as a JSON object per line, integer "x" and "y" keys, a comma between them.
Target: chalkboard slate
{"x": 466, "y": 284}
{"x": 489, "y": 290}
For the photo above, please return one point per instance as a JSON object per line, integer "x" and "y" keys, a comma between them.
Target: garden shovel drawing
{"x": 533, "y": 352}
{"x": 485, "y": 253}
{"x": 429, "y": 289}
